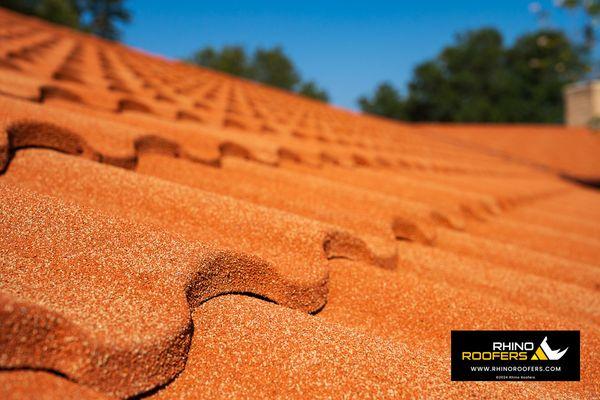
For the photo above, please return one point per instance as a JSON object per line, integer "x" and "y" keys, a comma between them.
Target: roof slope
{"x": 568, "y": 151}
{"x": 172, "y": 232}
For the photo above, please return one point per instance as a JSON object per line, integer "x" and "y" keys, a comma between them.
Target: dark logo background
{"x": 482, "y": 341}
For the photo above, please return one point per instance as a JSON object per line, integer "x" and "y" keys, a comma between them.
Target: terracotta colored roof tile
{"x": 556, "y": 221}
{"x": 22, "y": 385}
{"x": 20, "y": 86}
{"x": 521, "y": 259}
{"x": 565, "y": 150}
{"x": 255, "y": 349}
{"x": 178, "y": 209}
{"x": 567, "y": 245}
{"x": 515, "y": 285}
{"x": 365, "y": 211}
{"x": 443, "y": 305}
{"x": 170, "y": 231}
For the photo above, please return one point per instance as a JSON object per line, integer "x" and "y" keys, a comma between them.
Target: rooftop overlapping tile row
{"x": 173, "y": 232}
{"x": 566, "y": 151}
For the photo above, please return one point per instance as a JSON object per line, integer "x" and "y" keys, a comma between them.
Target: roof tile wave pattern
{"x": 172, "y": 232}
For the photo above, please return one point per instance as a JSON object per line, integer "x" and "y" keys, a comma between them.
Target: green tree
{"x": 478, "y": 79}
{"x": 543, "y": 62}
{"x": 312, "y": 90}
{"x": 273, "y": 67}
{"x": 61, "y": 12}
{"x": 386, "y": 101}
{"x": 103, "y": 17}
{"x": 230, "y": 59}
{"x": 21, "y": 6}
{"x": 461, "y": 84}
{"x": 100, "y": 17}
{"x": 269, "y": 66}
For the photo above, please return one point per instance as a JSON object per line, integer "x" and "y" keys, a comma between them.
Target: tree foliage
{"x": 273, "y": 67}
{"x": 312, "y": 90}
{"x": 100, "y": 17}
{"x": 479, "y": 79}
{"x": 386, "y": 101}
{"x": 269, "y": 66}
{"x": 231, "y": 60}
{"x": 58, "y": 11}
{"x": 103, "y": 17}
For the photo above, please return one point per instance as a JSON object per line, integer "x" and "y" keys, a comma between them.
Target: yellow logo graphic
{"x": 544, "y": 352}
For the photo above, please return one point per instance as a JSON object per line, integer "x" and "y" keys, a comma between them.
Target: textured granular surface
{"x": 172, "y": 232}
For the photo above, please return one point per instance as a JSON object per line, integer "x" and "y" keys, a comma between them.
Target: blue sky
{"x": 346, "y": 46}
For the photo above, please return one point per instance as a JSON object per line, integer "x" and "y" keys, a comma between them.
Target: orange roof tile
{"x": 567, "y": 151}
{"x": 173, "y": 232}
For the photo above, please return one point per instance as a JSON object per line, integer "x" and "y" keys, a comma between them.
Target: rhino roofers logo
{"x": 544, "y": 352}
{"x": 515, "y": 355}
